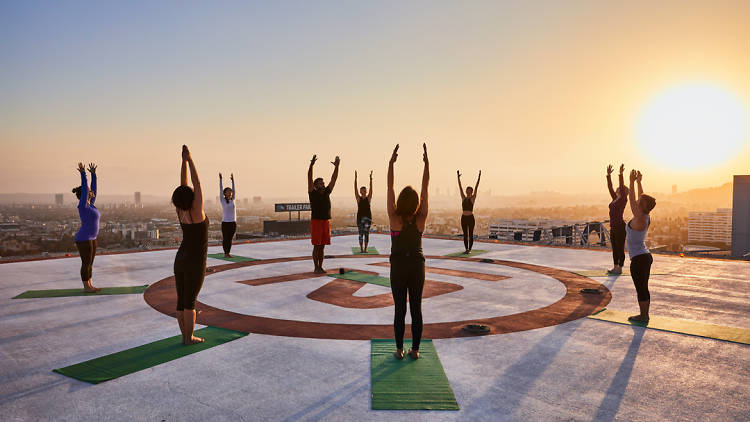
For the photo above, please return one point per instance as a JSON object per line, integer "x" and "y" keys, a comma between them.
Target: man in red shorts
{"x": 320, "y": 204}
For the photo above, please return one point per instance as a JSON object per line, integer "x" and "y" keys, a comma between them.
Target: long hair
{"x": 77, "y": 190}
{"x": 182, "y": 197}
{"x": 407, "y": 203}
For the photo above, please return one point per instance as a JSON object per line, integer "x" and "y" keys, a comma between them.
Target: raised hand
{"x": 424, "y": 156}
{"x": 336, "y": 161}
{"x": 638, "y": 176}
{"x": 609, "y": 169}
{"x": 458, "y": 173}
{"x": 394, "y": 156}
{"x": 92, "y": 168}
{"x": 185, "y": 153}
{"x": 220, "y": 176}
{"x": 313, "y": 160}
{"x": 633, "y": 175}
{"x": 370, "y": 174}
{"x": 81, "y": 169}
{"x": 231, "y": 176}
{"x": 622, "y": 168}
{"x": 480, "y": 175}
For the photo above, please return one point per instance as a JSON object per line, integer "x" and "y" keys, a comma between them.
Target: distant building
{"x": 246, "y": 201}
{"x": 58, "y": 199}
{"x": 713, "y": 227}
{"x": 674, "y": 189}
{"x": 257, "y": 200}
{"x": 741, "y": 216}
{"x": 138, "y": 202}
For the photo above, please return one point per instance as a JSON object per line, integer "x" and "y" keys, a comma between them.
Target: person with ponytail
{"x": 407, "y": 216}
{"x": 86, "y": 236}
{"x": 190, "y": 261}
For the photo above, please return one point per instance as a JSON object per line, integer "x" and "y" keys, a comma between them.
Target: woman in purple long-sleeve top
{"x": 86, "y": 236}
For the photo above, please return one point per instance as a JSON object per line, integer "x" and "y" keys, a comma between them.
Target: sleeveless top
{"x": 467, "y": 204}
{"x": 407, "y": 241}
{"x": 194, "y": 246}
{"x": 637, "y": 239}
{"x": 320, "y": 204}
{"x": 363, "y": 208}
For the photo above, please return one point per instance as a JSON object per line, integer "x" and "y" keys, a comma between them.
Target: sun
{"x": 693, "y": 126}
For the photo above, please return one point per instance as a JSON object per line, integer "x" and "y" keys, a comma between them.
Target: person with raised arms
{"x": 86, "y": 236}
{"x": 228, "y": 215}
{"x": 407, "y": 216}
{"x": 467, "y": 206}
{"x": 190, "y": 261}
{"x": 364, "y": 212}
{"x": 320, "y": 205}
{"x": 640, "y": 256}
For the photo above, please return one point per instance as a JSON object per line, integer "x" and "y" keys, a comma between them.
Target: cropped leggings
{"x": 467, "y": 225}
{"x": 407, "y": 276}
{"x": 227, "y": 234}
{"x": 617, "y": 236}
{"x": 640, "y": 270}
{"x": 87, "y": 250}
{"x": 363, "y": 224}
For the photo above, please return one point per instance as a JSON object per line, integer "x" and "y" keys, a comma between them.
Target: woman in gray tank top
{"x": 640, "y": 257}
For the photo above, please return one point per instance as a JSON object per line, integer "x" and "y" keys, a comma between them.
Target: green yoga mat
{"x": 370, "y": 251}
{"x": 364, "y": 278}
{"x": 474, "y": 252}
{"x": 234, "y": 258}
{"x": 604, "y": 273}
{"x": 408, "y": 384}
{"x": 118, "y": 364}
{"x": 692, "y": 328}
{"x": 32, "y": 294}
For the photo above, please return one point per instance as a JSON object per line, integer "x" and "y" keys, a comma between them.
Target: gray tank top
{"x": 637, "y": 239}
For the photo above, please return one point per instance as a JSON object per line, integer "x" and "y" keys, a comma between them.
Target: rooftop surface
{"x": 307, "y": 356}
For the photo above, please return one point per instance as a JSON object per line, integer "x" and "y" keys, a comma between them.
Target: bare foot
{"x": 193, "y": 340}
{"x": 638, "y": 318}
{"x": 91, "y": 290}
{"x": 399, "y": 354}
{"x": 414, "y": 354}
{"x": 319, "y": 271}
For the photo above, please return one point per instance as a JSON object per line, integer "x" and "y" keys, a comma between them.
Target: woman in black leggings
{"x": 640, "y": 256}
{"x": 190, "y": 261}
{"x": 616, "y": 222}
{"x": 407, "y": 216}
{"x": 467, "y": 205}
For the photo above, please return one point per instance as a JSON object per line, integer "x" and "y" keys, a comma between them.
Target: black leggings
{"x": 617, "y": 237}
{"x": 407, "y": 275}
{"x": 227, "y": 233}
{"x": 640, "y": 270}
{"x": 87, "y": 250}
{"x": 467, "y": 225}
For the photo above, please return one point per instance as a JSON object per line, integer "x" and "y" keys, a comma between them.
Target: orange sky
{"x": 539, "y": 95}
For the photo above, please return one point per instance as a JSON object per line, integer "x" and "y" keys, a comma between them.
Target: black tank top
{"x": 407, "y": 241}
{"x": 194, "y": 244}
{"x": 363, "y": 208}
{"x": 467, "y": 204}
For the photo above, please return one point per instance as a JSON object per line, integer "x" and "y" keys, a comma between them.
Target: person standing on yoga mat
{"x": 190, "y": 261}
{"x": 320, "y": 205}
{"x": 407, "y": 217}
{"x": 640, "y": 256}
{"x": 616, "y": 222}
{"x": 228, "y": 215}
{"x": 467, "y": 205}
{"x": 364, "y": 213}
{"x": 86, "y": 235}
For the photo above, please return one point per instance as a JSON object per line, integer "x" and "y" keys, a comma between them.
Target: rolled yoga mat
{"x": 33, "y": 294}
{"x": 113, "y": 366}
{"x": 408, "y": 384}
{"x": 682, "y": 326}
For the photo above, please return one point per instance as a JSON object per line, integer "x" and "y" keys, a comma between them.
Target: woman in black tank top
{"x": 190, "y": 261}
{"x": 364, "y": 214}
{"x": 467, "y": 205}
{"x": 407, "y": 217}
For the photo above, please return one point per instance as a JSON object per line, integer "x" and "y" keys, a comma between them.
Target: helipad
{"x": 307, "y": 356}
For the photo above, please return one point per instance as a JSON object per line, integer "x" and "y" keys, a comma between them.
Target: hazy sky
{"x": 539, "y": 95}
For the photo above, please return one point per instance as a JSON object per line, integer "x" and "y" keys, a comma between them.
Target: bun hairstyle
{"x": 225, "y": 193}
{"x": 182, "y": 197}
{"x": 623, "y": 190}
{"x": 77, "y": 190}
{"x": 407, "y": 203}
{"x": 647, "y": 203}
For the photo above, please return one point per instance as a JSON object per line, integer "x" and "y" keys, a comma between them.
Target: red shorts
{"x": 320, "y": 231}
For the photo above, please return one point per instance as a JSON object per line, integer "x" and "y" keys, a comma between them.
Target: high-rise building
{"x": 138, "y": 199}
{"x": 712, "y": 227}
{"x": 741, "y": 216}
{"x": 257, "y": 200}
{"x": 58, "y": 199}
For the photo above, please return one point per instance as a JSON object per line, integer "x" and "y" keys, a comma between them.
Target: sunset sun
{"x": 691, "y": 126}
